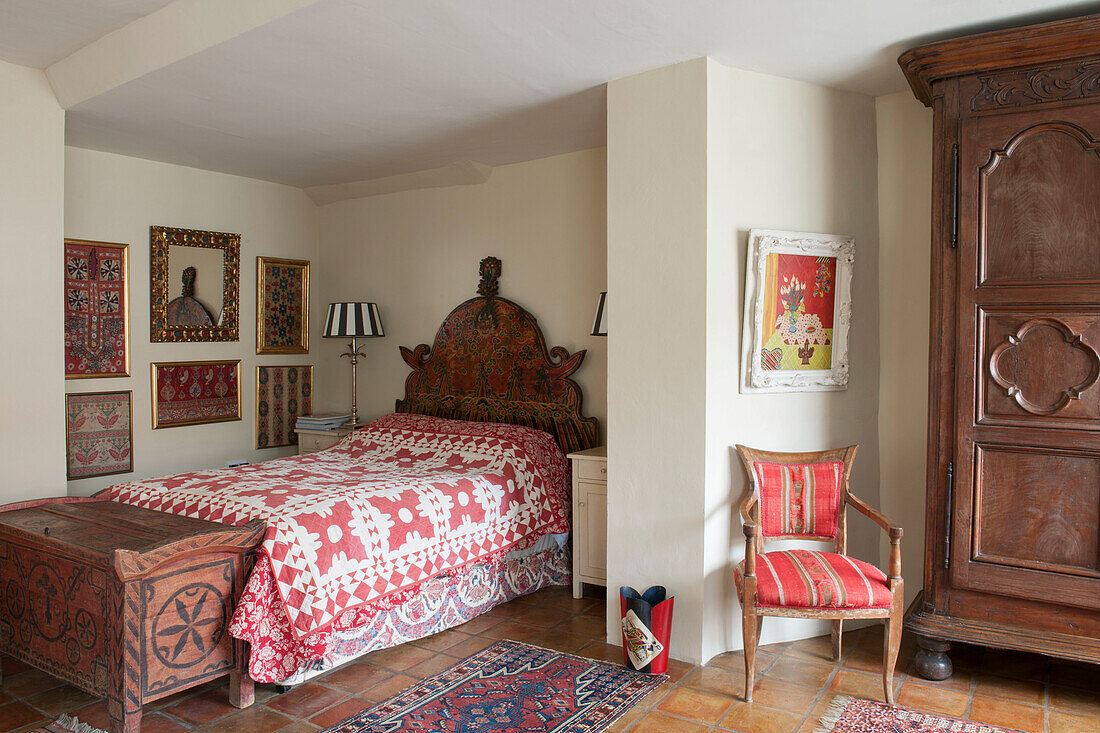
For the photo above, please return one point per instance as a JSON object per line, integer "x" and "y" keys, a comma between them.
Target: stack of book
{"x": 325, "y": 421}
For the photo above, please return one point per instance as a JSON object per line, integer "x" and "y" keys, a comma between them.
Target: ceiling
{"x": 350, "y": 90}
{"x": 39, "y": 32}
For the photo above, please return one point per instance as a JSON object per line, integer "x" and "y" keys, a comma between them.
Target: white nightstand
{"x": 311, "y": 441}
{"x": 589, "y": 517}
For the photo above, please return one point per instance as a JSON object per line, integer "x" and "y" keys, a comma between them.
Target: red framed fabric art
{"x": 97, "y": 331}
{"x": 282, "y": 306}
{"x": 98, "y": 434}
{"x": 282, "y": 394}
{"x": 195, "y": 392}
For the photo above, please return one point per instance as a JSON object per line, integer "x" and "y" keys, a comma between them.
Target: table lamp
{"x": 354, "y": 321}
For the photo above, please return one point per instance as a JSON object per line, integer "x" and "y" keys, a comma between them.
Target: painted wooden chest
{"x": 123, "y": 602}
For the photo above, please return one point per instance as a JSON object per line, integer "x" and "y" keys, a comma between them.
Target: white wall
{"x": 416, "y": 254}
{"x": 905, "y": 232}
{"x": 32, "y": 426}
{"x": 697, "y": 155}
{"x": 657, "y": 347}
{"x": 115, "y": 198}
{"x": 794, "y": 156}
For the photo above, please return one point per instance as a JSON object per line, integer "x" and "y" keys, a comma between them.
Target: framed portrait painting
{"x": 798, "y": 311}
{"x": 195, "y": 392}
{"x": 97, "y": 304}
{"x": 282, "y": 306}
{"x": 194, "y": 288}
{"x": 99, "y": 434}
{"x": 282, "y": 394}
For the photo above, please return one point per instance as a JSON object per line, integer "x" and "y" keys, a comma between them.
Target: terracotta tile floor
{"x": 795, "y": 683}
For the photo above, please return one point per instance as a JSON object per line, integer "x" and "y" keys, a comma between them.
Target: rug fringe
{"x": 70, "y": 723}
{"x": 832, "y": 714}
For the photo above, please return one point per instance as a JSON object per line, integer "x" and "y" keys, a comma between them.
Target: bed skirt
{"x": 446, "y": 602}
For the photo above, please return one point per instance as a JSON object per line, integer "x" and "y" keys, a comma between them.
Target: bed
{"x": 417, "y": 522}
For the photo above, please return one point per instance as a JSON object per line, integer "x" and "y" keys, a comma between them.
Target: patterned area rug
{"x": 507, "y": 688}
{"x": 853, "y": 715}
{"x": 66, "y": 724}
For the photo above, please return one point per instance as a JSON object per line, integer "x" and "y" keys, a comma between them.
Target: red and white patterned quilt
{"x": 367, "y": 521}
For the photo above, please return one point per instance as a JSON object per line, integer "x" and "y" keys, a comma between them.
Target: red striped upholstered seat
{"x": 822, "y": 580}
{"x": 804, "y": 496}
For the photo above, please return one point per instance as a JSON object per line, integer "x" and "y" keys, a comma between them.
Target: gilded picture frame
{"x": 94, "y": 439}
{"x": 282, "y": 306}
{"x": 798, "y": 312}
{"x": 195, "y": 392}
{"x": 97, "y": 309}
{"x": 283, "y": 394}
{"x": 218, "y": 247}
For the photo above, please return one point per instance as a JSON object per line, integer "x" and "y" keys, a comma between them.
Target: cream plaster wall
{"x": 794, "y": 156}
{"x": 116, "y": 198}
{"x": 32, "y": 131}
{"x": 697, "y": 155}
{"x": 905, "y": 231}
{"x": 416, "y": 254}
{"x": 657, "y": 347}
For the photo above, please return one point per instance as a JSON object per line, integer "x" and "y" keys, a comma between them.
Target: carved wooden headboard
{"x": 490, "y": 363}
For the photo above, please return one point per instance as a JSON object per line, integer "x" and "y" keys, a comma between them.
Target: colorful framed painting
{"x": 195, "y": 279}
{"x": 282, "y": 394}
{"x": 97, "y": 304}
{"x": 99, "y": 434}
{"x": 282, "y": 306}
{"x": 195, "y": 392}
{"x": 798, "y": 311}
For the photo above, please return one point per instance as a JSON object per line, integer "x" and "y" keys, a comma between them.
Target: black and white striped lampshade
{"x": 353, "y": 320}
{"x": 599, "y": 325}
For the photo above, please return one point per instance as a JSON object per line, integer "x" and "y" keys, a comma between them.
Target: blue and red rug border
{"x": 638, "y": 685}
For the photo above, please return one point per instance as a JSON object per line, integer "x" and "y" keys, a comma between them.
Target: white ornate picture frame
{"x": 788, "y": 354}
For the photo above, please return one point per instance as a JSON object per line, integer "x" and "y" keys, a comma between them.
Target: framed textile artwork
{"x": 195, "y": 279}
{"x": 282, "y": 394}
{"x": 195, "y": 392}
{"x": 97, "y": 303}
{"x": 99, "y": 434}
{"x": 282, "y": 306}
{"x": 798, "y": 311}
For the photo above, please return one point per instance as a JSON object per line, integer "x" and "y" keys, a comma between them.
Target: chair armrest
{"x": 891, "y": 529}
{"x": 876, "y": 516}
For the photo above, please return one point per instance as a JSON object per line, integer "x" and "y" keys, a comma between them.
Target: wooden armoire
{"x": 1012, "y": 548}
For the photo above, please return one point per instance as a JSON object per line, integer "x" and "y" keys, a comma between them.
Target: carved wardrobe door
{"x": 1012, "y": 531}
{"x": 1027, "y": 447}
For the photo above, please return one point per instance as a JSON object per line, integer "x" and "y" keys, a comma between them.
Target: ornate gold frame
{"x": 261, "y": 293}
{"x": 159, "y": 328}
{"x": 200, "y": 421}
{"x": 256, "y": 422}
{"x": 126, "y": 310}
{"x": 68, "y": 442}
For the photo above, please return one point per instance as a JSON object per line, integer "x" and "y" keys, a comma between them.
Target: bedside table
{"x": 311, "y": 441}
{"x": 589, "y": 517}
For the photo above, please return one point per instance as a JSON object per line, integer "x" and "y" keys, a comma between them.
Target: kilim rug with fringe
{"x": 853, "y": 715}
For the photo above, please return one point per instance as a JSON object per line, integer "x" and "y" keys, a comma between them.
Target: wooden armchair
{"x": 803, "y": 496}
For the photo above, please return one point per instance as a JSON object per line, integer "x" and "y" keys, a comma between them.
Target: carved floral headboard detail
{"x": 490, "y": 363}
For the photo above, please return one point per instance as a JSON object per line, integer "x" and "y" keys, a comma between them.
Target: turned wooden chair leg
{"x": 750, "y": 627}
{"x": 891, "y": 643}
{"x": 837, "y": 634}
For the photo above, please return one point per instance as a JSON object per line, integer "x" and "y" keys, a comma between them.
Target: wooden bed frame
{"x": 489, "y": 363}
